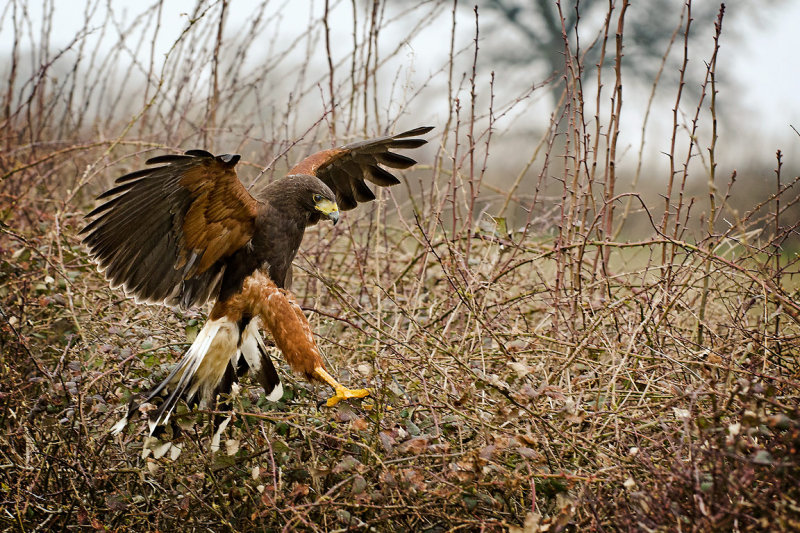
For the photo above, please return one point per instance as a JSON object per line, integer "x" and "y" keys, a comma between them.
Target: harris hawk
{"x": 187, "y": 232}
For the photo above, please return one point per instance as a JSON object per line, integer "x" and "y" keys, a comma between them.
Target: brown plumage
{"x": 187, "y": 232}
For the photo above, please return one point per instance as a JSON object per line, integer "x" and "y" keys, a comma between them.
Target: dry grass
{"x": 531, "y": 369}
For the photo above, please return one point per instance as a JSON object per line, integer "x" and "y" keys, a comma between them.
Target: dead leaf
{"x": 519, "y": 369}
{"x": 462, "y": 471}
{"x": 387, "y": 479}
{"x": 359, "y": 424}
{"x": 566, "y": 508}
{"x": 531, "y": 524}
{"x": 152, "y": 467}
{"x": 530, "y": 453}
{"x": 487, "y": 452}
{"x": 161, "y": 450}
{"x": 553, "y": 392}
{"x": 414, "y": 446}
{"x": 359, "y": 484}
{"x": 300, "y": 489}
{"x": 346, "y": 465}
{"x": 414, "y": 479}
{"x": 442, "y": 448}
{"x": 231, "y": 446}
{"x": 387, "y": 441}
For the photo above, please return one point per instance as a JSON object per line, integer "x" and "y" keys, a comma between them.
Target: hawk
{"x": 186, "y": 231}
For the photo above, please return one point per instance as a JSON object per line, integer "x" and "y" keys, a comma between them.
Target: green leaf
{"x": 191, "y": 332}
{"x": 763, "y": 457}
{"x": 412, "y": 428}
{"x": 470, "y": 501}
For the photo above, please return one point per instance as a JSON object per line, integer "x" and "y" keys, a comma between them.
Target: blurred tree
{"x": 535, "y": 27}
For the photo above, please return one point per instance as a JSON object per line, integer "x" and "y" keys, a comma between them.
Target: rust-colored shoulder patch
{"x": 313, "y": 163}
{"x": 221, "y": 218}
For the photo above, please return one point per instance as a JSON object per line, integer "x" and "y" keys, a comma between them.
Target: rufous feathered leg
{"x": 290, "y": 329}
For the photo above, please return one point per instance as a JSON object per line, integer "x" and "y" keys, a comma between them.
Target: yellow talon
{"x": 342, "y": 392}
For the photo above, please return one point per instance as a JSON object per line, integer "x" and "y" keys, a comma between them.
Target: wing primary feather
{"x": 129, "y": 265}
{"x": 402, "y": 144}
{"x": 108, "y": 205}
{"x": 153, "y": 268}
{"x": 422, "y": 130}
{"x": 133, "y": 205}
{"x": 118, "y": 189}
{"x": 169, "y": 158}
{"x": 393, "y": 160}
{"x": 135, "y": 175}
{"x": 137, "y": 199}
{"x": 101, "y": 208}
{"x": 362, "y": 192}
{"x": 346, "y": 168}
{"x": 381, "y": 177}
{"x": 114, "y": 234}
{"x": 344, "y": 192}
{"x": 199, "y": 153}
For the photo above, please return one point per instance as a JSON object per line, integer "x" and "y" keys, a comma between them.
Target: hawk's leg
{"x": 342, "y": 392}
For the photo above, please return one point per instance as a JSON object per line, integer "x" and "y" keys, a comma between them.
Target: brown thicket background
{"x": 559, "y": 334}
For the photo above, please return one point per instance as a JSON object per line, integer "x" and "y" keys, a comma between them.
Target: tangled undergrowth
{"x": 493, "y": 402}
{"x": 532, "y": 369}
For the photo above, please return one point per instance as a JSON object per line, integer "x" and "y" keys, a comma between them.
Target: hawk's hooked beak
{"x": 329, "y": 209}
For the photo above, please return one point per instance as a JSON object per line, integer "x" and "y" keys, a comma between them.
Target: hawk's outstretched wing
{"x": 163, "y": 232}
{"x": 344, "y": 169}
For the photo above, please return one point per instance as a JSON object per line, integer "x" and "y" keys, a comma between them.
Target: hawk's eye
{"x": 317, "y": 198}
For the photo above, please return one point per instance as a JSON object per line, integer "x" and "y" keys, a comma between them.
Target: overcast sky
{"x": 760, "y": 58}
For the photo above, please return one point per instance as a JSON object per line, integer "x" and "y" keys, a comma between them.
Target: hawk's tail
{"x": 210, "y": 367}
{"x": 257, "y": 358}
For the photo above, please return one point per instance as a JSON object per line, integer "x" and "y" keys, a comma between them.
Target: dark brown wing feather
{"x": 344, "y": 169}
{"x": 163, "y": 232}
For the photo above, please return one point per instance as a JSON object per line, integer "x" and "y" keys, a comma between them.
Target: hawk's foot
{"x": 341, "y": 392}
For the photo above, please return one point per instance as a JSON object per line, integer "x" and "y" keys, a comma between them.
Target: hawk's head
{"x": 304, "y": 196}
